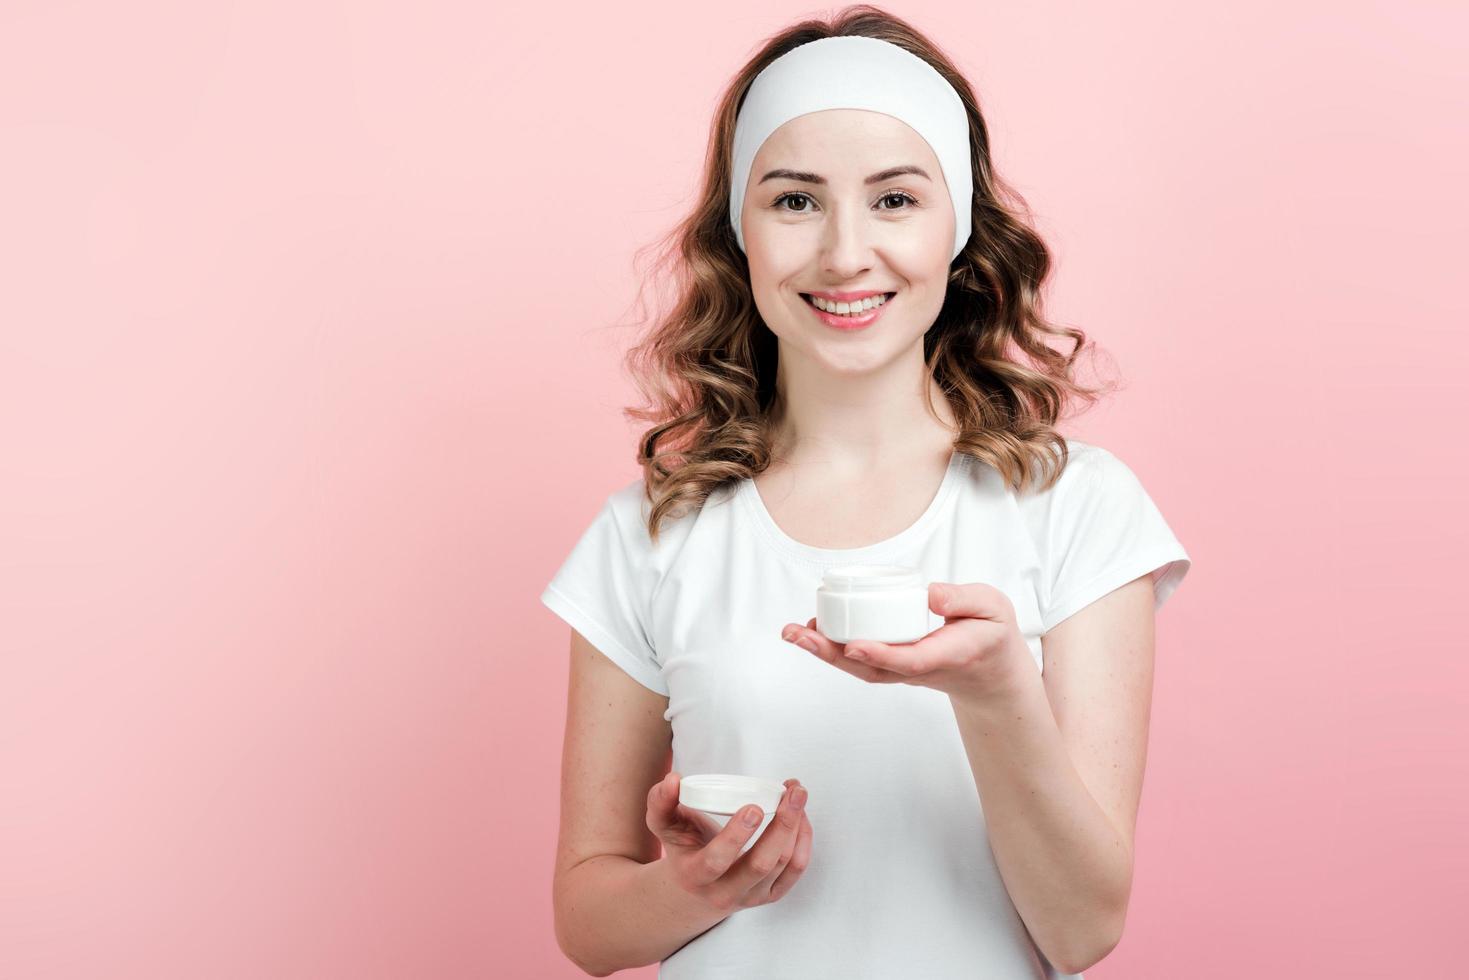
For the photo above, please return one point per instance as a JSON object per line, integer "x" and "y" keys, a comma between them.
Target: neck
{"x": 862, "y": 421}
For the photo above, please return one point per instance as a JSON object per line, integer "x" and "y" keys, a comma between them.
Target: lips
{"x": 848, "y": 322}
{"x": 849, "y": 297}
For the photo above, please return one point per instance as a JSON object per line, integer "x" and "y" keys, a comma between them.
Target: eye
{"x": 791, "y": 195}
{"x": 905, "y": 199}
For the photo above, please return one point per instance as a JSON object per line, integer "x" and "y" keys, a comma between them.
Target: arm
{"x": 614, "y": 913}
{"x": 614, "y": 905}
{"x": 1058, "y": 760}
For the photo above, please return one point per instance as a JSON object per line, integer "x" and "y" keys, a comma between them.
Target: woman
{"x": 858, "y": 375}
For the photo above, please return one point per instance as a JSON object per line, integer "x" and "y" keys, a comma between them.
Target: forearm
{"x": 1066, "y": 867}
{"x": 614, "y": 913}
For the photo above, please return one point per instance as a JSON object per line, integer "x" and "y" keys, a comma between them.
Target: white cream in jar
{"x": 887, "y": 603}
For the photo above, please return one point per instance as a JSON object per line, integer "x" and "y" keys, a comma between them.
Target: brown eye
{"x": 900, "y": 196}
{"x": 790, "y": 196}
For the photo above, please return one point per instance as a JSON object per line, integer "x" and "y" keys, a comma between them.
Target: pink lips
{"x": 849, "y": 323}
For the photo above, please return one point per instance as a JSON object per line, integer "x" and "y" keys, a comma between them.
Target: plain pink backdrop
{"x": 309, "y": 380}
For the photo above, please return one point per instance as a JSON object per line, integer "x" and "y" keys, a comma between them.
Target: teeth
{"x": 849, "y": 309}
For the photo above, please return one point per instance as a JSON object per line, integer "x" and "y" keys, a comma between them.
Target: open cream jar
{"x": 887, "y": 603}
{"x": 722, "y": 795}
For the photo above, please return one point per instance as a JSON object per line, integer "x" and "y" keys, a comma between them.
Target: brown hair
{"x": 707, "y": 366}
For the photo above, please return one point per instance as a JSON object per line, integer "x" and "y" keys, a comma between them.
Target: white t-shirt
{"x": 902, "y": 881}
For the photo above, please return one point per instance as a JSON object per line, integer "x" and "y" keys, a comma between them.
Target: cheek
{"x": 931, "y": 251}
{"x": 767, "y": 276}
{"x": 772, "y": 258}
{"x": 919, "y": 258}
{"x": 769, "y": 302}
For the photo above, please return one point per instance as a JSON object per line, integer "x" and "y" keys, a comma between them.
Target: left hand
{"x": 978, "y": 655}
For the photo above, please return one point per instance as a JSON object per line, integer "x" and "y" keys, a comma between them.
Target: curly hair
{"x": 706, "y": 368}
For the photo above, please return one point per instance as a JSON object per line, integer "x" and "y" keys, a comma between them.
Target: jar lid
{"x": 725, "y": 793}
{"x": 855, "y": 578}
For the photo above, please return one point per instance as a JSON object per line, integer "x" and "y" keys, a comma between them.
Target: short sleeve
{"x": 602, "y": 588}
{"x": 1098, "y": 531}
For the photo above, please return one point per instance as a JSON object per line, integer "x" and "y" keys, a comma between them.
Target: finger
{"x": 908, "y": 659}
{"x": 834, "y": 653}
{"x": 758, "y": 863}
{"x": 760, "y": 894}
{"x": 719, "y": 854}
{"x": 663, "y": 802}
{"x": 974, "y": 615}
{"x": 673, "y": 823}
{"x": 969, "y": 599}
{"x": 758, "y": 866}
{"x": 763, "y": 888}
{"x": 702, "y": 826}
{"x": 800, "y": 858}
{"x": 950, "y": 646}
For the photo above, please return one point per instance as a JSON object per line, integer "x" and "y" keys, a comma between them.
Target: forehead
{"x": 839, "y": 141}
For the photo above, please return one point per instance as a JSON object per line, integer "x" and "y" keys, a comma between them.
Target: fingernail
{"x": 807, "y": 644}
{"x": 798, "y": 798}
{"x": 789, "y": 636}
{"x": 856, "y": 653}
{"x": 752, "y": 817}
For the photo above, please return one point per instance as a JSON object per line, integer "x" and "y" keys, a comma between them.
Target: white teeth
{"x": 849, "y": 309}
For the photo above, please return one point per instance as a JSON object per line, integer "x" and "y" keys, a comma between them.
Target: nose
{"x": 846, "y": 246}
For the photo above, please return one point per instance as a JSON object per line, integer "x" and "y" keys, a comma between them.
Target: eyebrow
{"x": 806, "y": 177}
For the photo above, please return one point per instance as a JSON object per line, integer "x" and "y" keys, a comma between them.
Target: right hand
{"x": 705, "y": 860}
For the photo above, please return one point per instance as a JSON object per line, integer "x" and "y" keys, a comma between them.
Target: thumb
{"x": 941, "y": 596}
{"x": 671, "y": 822}
{"x": 970, "y": 599}
{"x": 663, "y": 802}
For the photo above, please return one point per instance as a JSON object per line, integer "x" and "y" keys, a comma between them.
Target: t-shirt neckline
{"x": 755, "y": 507}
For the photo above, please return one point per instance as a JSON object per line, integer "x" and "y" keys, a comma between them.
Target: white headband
{"x": 855, "y": 72}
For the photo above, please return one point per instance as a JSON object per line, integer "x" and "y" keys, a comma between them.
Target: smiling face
{"x": 843, "y": 202}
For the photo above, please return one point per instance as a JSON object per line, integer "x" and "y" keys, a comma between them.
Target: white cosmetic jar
{"x": 722, "y": 795}
{"x": 887, "y": 603}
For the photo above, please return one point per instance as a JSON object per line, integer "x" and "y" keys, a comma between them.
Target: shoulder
{"x": 1083, "y": 464}
{"x": 1094, "y": 486}
{"x": 1100, "y": 470}
{"x": 624, "y": 513}
{"x": 629, "y": 508}
{"x": 1088, "y": 457}
{"x": 628, "y": 503}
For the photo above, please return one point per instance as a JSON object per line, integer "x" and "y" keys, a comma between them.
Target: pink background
{"x": 308, "y": 381}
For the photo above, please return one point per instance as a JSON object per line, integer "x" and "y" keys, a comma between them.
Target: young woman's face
{"x": 819, "y": 216}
